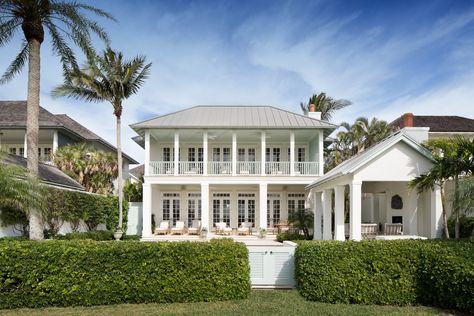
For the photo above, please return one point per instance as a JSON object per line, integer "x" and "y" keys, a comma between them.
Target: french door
{"x": 246, "y": 208}
{"x": 194, "y": 207}
{"x": 273, "y": 209}
{"x": 221, "y": 208}
{"x": 171, "y": 203}
{"x": 246, "y": 158}
{"x": 296, "y": 201}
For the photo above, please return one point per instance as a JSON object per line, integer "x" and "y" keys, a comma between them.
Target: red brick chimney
{"x": 407, "y": 120}
{"x": 312, "y": 108}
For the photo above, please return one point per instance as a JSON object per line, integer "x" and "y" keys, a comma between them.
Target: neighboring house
{"x": 136, "y": 174}
{"x": 56, "y": 130}
{"x": 376, "y": 181}
{"x": 229, "y": 164}
{"x": 440, "y": 126}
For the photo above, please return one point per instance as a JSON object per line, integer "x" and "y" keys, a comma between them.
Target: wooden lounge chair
{"x": 195, "y": 229}
{"x": 393, "y": 229}
{"x": 163, "y": 229}
{"x": 244, "y": 228}
{"x": 179, "y": 229}
{"x": 222, "y": 229}
{"x": 369, "y": 231}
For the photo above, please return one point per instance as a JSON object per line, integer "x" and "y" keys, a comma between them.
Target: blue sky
{"x": 387, "y": 57}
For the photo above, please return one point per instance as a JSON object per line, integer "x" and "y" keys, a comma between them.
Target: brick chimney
{"x": 407, "y": 120}
{"x": 312, "y": 112}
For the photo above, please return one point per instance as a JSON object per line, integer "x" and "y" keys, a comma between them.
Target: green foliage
{"x": 71, "y": 273}
{"x": 133, "y": 192}
{"x": 387, "y": 272}
{"x": 98, "y": 235}
{"x": 324, "y": 104}
{"x": 290, "y": 236}
{"x": 16, "y": 218}
{"x": 302, "y": 219}
{"x": 466, "y": 226}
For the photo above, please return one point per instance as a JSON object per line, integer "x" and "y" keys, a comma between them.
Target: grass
{"x": 261, "y": 302}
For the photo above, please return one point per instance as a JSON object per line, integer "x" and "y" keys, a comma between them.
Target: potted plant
{"x": 262, "y": 233}
{"x": 118, "y": 233}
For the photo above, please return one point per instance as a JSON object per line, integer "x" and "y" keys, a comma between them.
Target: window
{"x": 39, "y": 152}
{"x": 166, "y": 154}
{"x": 166, "y": 210}
{"x": 301, "y": 154}
{"x": 191, "y": 154}
{"x": 226, "y": 154}
{"x": 241, "y": 154}
{"x": 22, "y": 151}
{"x": 276, "y": 154}
{"x": 216, "y": 154}
{"x": 200, "y": 154}
{"x": 252, "y": 156}
{"x": 296, "y": 201}
{"x": 176, "y": 211}
{"x": 216, "y": 211}
{"x": 12, "y": 151}
{"x": 47, "y": 153}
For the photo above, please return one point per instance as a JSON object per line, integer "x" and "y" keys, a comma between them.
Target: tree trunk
{"x": 120, "y": 177}
{"x": 445, "y": 218}
{"x": 456, "y": 207}
{"x": 32, "y": 128}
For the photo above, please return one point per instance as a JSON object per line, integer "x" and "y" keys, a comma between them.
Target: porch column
{"x": 55, "y": 141}
{"x": 147, "y": 206}
{"x": 412, "y": 214}
{"x": 339, "y": 213}
{"x": 327, "y": 205}
{"x": 356, "y": 210}
{"x": 234, "y": 153}
{"x": 436, "y": 211}
{"x": 262, "y": 152}
{"x": 292, "y": 153}
{"x": 176, "y": 153}
{"x": 25, "y": 146}
{"x": 318, "y": 211}
{"x": 205, "y": 205}
{"x": 321, "y": 153}
{"x": 262, "y": 215}
{"x": 204, "y": 153}
{"x": 147, "y": 153}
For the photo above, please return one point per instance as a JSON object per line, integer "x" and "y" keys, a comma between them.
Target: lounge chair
{"x": 244, "y": 228}
{"x": 369, "y": 231}
{"x": 179, "y": 229}
{"x": 163, "y": 229}
{"x": 393, "y": 229}
{"x": 222, "y": 229}
{"x": 195, "y": 229}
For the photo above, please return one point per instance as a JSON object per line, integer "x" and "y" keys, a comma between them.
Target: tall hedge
{"x": 387, "y": 272}
{"x": 68, "y": 273}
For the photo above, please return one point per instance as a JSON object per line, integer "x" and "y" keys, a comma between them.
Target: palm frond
{"x": 16, "y": 65}
{"x": 8, "y": 29}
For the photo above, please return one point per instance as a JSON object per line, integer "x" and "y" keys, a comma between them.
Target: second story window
{"x": 192, "y": 154}
{"x": 216, "y": 154}
{"x": 301, "y": 153}
{"x": 226, "y": 154}
{"x": 166, "y": 154}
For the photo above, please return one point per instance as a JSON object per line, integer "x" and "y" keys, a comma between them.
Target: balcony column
{"x": 327, "y": 211}
{"x": 55, "y": 141}
{"x": 204, "y": 152}
{"x": 234, "y": 153}
{"x": 147, "y": 152}
{"x": 318, "y": 212}
{"x": 356, "y": 210}
{"x": 25, "y": 146}
{"x": 262, "y": 214}
{"x": 339, "y": 233}
{"x": 176, "y": 153}
{"x": 292, "y": 153}
{"x": 262, "y": 152}
{"x": 321, "y": 153}
{"x": 147, "y": 206}
{"x": 205, "y": 205}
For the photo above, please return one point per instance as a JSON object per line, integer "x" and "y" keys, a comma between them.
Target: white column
{"x": 205, "y": 205}
{"x": 436, "y": 211}
{"x": 234, "y": 153}
{"x": 318, "y": 212}
{"x": 321, "y": 153}
{"x": 147, "y": 207}
{"x": 412, "y": 217}
{"x": 147, "y": 152}
{"x": 262, "y": 152}
{"x": 205, "y": 153}
{"x": 262, "y": 215}
{"x": 55, "y": 141}
{"x": 327, "y": 206}
{"x": 356, "y": 210}
{"x": 292, "y": 153}
{"x": 25, "y": 146}
{"x": 339, "y": 213}
{"x": 176, "y": 153}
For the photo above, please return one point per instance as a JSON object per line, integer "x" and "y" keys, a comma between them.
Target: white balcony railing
{"x": 248, "y": 167}
{"x": 225, "y": 168}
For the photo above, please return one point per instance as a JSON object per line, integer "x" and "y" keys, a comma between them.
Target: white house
{"x": 229, "y": 164}
{"x": 376, "y": 181}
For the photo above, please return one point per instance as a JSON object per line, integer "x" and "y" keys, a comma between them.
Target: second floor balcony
{"x": 228, "y": 168}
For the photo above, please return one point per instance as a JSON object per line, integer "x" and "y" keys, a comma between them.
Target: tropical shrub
{"x": 133, "y": 192}
{"x": 99, "y": 235}
{"x": 290, "y": 236}
{"x": 466, "y": 226}
{"x": 79, "y": 272}
{"x": 387, "y": 272}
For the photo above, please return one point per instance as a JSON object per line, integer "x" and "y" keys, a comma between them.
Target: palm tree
{"x": 324, "y": 104}
{"x": 63, "y": 20}
{"x": 302, "y": 219}
{"x": 107, "y": 78}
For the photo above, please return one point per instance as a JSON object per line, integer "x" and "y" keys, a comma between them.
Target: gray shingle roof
{"x": 439, "y": 123}
{"x": 137, "y": 172}
{"x": 47, "y": 173}
{"x": 13, "y": 115}
{"x": 204, "y": 116}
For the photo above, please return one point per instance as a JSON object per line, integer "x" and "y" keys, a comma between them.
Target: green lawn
{"x": 266, "y": 302}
